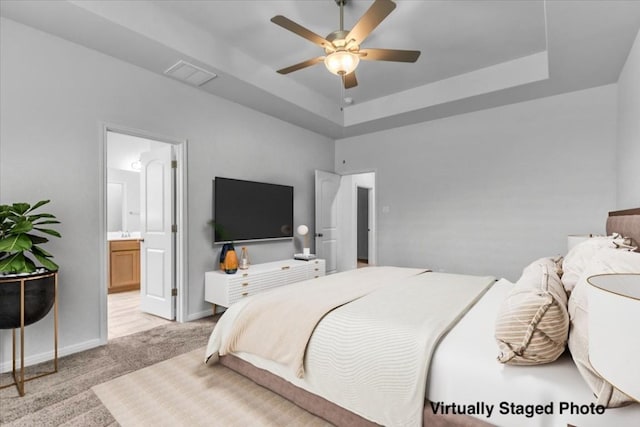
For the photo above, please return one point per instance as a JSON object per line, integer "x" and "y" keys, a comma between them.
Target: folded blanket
{"x": 277, "y": 324}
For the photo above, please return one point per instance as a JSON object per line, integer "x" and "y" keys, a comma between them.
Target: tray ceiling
{"x": 475, "y": 54}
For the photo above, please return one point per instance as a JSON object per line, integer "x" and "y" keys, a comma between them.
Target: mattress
{"x": 465, "y": 376}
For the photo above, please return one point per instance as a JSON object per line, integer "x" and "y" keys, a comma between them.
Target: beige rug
{"x": 183, "y": 391}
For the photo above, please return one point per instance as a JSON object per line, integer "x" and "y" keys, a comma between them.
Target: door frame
{"x": 181, "y": 271}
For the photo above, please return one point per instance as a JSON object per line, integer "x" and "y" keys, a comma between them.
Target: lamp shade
{"x": 614, "y": 341}
{"x": 341, "y": 62}
{"x": 302, "y": 230}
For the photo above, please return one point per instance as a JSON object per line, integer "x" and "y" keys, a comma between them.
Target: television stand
{"x": 225, "y": 289}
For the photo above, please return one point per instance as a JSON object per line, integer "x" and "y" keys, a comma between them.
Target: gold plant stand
{"x": 18, "y": 378}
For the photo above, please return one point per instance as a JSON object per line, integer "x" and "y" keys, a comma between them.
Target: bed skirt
{"x": 328, "y": 410}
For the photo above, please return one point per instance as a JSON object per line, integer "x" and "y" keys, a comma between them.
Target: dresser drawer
{"x": 124, "y": 245}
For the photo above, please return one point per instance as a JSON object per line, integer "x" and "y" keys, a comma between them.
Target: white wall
{"x": 55, "y": 95}
{"x": 629, "y": 131}
{"x": 488, "y": 192}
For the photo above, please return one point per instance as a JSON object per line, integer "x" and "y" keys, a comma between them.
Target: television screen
{"x": 247, "y": 210}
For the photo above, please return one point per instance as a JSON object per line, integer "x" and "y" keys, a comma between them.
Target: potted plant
{"x": 24, "y": 261}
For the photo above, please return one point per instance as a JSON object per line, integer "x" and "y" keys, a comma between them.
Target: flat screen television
{"x": 248, "y": 210}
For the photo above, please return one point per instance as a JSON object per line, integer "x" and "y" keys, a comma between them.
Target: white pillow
{"x": 580, "y": 255}
{"x": 606, "y": 261}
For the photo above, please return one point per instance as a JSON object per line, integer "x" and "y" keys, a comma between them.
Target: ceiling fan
{"x": 342, "y": 48}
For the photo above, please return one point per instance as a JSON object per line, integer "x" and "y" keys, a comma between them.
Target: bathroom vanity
{"x": 124, "y": 264}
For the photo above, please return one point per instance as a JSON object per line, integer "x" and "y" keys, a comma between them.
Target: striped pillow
{"x": 533, "y": 324}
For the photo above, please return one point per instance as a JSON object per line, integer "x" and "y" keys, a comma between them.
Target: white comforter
{"x": 371, "y": 356}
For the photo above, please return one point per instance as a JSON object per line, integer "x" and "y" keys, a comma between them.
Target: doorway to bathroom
{"x": 144, "y": 202}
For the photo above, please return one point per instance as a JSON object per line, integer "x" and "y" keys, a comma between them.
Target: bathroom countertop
{"x": 118, "y": 235}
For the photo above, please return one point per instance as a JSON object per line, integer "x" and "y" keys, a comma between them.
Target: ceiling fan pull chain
{"x": 342, "y": 92}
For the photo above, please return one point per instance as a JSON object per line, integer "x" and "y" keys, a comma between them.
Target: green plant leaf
{"x": 46, "y": 262}
{"x": 37, "y": 240}
{"x": 36, "y": 250}
{"x": 5, "y": 264}
{"x": 17, "y": 264}
{"x": 31, "y": 266}
{"x": 48, "y": 231}
{"x": 49, "y": 221}
{"x": 20, "y": 208}
{"x": 22, "y": 226}
{"x": 15, "y": 243}
{"x": 38, "y": 216}
{"x": 37, "y": 205}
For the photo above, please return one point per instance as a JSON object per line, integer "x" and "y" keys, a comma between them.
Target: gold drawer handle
{"x": 244, "y": 294}
{"x": 285, "y": 267}
{"x": 245, "y": 283}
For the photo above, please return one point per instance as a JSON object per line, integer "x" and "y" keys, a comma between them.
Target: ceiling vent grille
{"x": 190, "y": 73}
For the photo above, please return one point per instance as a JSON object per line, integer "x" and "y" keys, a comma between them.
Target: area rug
{"x": 66, "y": 399}
{"x": 183, "y": 391}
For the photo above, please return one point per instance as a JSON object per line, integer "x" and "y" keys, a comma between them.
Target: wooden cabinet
{"x": 124, "y": 265}
{"x": 225, "y": 289}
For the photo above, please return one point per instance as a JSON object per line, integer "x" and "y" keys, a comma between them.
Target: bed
{"x": 352, "y": 377}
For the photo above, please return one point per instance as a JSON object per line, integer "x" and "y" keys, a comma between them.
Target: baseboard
{"x": 48, "y": 356}
{"x": 199, "y": 315}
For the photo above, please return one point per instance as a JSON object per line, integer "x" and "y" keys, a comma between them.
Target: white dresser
{"x": 225, "y": 289}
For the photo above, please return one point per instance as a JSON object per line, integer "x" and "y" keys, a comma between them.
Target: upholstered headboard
{"x": 626, "y": 223}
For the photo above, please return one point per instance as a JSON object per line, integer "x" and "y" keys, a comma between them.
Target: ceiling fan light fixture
{"x": 341, "y": 62}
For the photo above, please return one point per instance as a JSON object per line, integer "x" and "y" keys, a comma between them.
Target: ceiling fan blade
{"x": 350, "y": 80}
{"x": 389, "y": 55}
{"x": 298, "y": 29}
{"x": 370, "y": 20}
{"x": 301, "y": 65}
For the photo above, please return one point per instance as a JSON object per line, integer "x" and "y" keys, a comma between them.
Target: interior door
{"x": 157, "y": 262}
{"x": 327, "y": 236}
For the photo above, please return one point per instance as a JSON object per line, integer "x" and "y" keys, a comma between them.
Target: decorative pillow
{"x": 578, "y": 257}
{"x": 533, "y": 323}
{"x": 606, "y": 261}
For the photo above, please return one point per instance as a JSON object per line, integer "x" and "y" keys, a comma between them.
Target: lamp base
{"x": 304, "y": 257}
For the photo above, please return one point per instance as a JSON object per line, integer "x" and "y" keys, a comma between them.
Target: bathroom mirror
{"x": 115, "y": 206}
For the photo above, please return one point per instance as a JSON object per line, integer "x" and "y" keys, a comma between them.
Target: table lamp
{"x": 303, "y": 230}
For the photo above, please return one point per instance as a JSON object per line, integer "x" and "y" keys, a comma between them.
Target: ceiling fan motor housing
{"x": 338, "y": 40}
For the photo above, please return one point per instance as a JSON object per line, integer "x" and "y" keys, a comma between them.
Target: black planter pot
{"x": 39, "y": 296}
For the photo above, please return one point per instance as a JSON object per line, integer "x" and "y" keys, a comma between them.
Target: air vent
{"x": 190, "y": 73}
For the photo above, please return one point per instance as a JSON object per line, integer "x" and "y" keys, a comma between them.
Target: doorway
{"x": 337, "y": 239}
{"x": 143, "y": 251}
{"x": 363, "y": 229}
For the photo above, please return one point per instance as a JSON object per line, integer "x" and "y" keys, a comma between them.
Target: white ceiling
{"x": 475, "y": 53}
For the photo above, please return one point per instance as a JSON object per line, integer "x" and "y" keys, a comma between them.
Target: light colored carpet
{"x": 66, "y": 399}
{"x": 183, "y": 391}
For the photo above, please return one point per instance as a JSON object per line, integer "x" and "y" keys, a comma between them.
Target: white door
{"x": 327, "y": 186}
{"x": 157, "y": 264}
